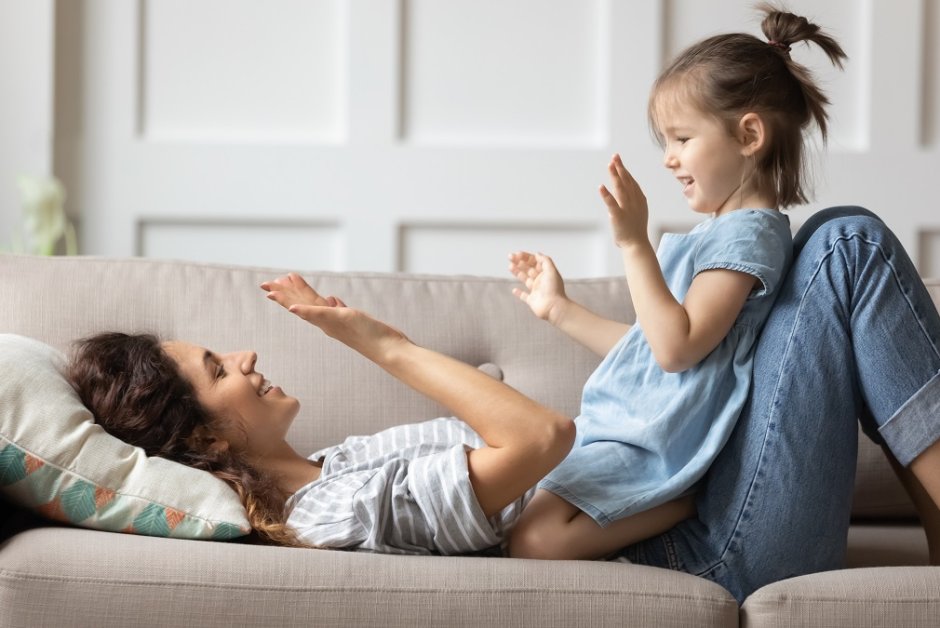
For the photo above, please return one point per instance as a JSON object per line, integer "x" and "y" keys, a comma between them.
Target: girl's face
{"x": 253, "y": 416}
{"x": 709, "y": 162}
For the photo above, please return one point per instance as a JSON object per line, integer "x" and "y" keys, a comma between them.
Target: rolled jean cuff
{"x": 916, "y": 424}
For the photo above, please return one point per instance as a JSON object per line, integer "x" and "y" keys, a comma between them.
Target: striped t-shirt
{"x": 405, "y": 490}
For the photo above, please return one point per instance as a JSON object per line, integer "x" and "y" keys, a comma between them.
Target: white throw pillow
{"x": 55, "y": 460}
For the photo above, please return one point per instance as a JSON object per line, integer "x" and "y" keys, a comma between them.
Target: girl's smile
{"x": 710, "y": 163}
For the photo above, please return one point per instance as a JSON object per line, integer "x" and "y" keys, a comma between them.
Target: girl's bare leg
{"x": 552, "y": 528}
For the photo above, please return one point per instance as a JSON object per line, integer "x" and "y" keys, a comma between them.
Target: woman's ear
{"x": 752, "y": 133}
{"x": 202, "y": 439}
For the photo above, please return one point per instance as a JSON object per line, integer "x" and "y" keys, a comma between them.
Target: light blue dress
{"x": 646, "y": 436}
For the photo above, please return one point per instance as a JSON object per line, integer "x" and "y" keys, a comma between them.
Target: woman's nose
{"x": 245, "y": 360}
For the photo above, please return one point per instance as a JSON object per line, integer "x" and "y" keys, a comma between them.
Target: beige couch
{"x": 54, "y": 575}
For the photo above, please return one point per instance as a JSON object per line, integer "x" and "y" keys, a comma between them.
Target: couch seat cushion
{"x": 849, "y": 598}
{"x": 51, "y": 576}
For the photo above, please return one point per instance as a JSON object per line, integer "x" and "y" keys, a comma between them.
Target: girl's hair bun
{"x": 783, "y": 29}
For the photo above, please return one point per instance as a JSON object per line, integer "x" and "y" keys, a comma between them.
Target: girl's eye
{"x": 220, "y": 372}
{"x": 682, "y": 140}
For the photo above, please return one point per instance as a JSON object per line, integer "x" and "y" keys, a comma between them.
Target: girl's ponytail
{"x": 783, "y": 30}
{"x": 727, "y": 76}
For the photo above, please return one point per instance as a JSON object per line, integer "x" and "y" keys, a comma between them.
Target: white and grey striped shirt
{"x": 405, "y": 490}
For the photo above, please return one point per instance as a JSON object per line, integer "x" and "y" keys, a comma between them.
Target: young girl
{"x": 730, "y": 113}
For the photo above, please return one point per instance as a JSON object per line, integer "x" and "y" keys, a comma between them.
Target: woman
{"x": 853, "y": 334}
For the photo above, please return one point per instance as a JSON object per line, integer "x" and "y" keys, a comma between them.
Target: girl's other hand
{"x": 544, "y": 288}
{"x": 292, "y": 289}
{"x": 627, "y": 206}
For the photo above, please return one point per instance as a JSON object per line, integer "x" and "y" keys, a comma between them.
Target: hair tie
{"x": 779, "y": 44}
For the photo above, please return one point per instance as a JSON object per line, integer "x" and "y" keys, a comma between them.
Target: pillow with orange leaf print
{"x": 55, "y": 460}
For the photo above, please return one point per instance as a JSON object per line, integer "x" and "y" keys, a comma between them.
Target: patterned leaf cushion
{"x": 55, "y": 460}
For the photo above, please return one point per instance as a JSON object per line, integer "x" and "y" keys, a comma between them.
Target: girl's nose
{"x": 669, "y": 160}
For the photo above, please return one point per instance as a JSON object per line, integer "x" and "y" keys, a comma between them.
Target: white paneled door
{"x": 438, "y": 135}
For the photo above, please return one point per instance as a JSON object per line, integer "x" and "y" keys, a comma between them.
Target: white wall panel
{"x": 931, "y": 80}
{"x": 577, "y": 250}
{"x": 492, "y": 72}
{"x": 243, "y": 70}
{"x": 281, "y": 245}
{"x": 929, "y": 259}
{"x": 27, "y": 41}
{"x": 688, "y": 21}
{"x": 437, "y": 135}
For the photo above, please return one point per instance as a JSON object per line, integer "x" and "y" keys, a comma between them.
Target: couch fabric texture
{"x": 54, "y": 575}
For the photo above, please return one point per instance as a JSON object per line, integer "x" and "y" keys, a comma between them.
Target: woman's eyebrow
{"x": 208, "y": 363}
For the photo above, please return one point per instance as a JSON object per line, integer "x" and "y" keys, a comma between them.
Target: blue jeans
{"x": 853, "y": 336}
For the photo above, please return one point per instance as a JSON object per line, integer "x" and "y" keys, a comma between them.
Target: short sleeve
{"x": 440, "y": 486}
{"x": 756, "y": 242}
{"x": 323, "y": 515}
{"x": 415, "y": 504}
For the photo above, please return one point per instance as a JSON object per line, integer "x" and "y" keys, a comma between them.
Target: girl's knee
{"x": 533, "y": 539}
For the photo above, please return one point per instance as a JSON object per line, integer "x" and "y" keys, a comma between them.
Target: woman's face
{"x": 253, "y": 416}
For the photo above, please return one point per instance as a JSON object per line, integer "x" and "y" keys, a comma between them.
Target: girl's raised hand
{"x": 626, "y": 205}
{"x": 544, "y": 288}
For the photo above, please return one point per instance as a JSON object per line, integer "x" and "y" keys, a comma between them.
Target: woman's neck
{"x": 292, "y": 470}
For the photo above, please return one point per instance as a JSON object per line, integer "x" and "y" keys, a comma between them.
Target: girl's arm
{"x": 545, "y": 296}
{"x": 679, "y": 334}
{"x": 524, "y": 439}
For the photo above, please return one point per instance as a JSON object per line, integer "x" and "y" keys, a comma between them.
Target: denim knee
{"x": 838, "y": 218}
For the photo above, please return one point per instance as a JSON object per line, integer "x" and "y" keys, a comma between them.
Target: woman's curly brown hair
{"x": 136, "y": 393}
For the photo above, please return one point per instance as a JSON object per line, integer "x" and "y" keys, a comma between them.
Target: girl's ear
{"x": 202, "y": 439}
{"x": 752, "y": 133}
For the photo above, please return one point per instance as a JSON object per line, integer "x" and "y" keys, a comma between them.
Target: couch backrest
{"x": 475, "y": 319}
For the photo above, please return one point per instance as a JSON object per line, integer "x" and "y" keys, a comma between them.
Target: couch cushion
{"x": 84, "y": 573}
{"x": 56, "y": 460}
{"x": 850, "y": 598}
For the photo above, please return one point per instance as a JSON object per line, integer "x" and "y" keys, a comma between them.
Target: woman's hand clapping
{"x": 354, "y": 328}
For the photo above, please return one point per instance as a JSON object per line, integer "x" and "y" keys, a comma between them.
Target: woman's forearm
{"x": 500, "y": 414}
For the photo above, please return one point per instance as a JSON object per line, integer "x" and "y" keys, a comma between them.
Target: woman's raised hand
{"x": 544, "y": 288}
{"x": 292, "y": 289}
{"x": 629, "y": 213}
{"x": 354, "y": 328}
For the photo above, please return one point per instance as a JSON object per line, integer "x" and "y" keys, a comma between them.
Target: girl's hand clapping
{"x": 544, "y": 288}
{"x": 627, "y": 206}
